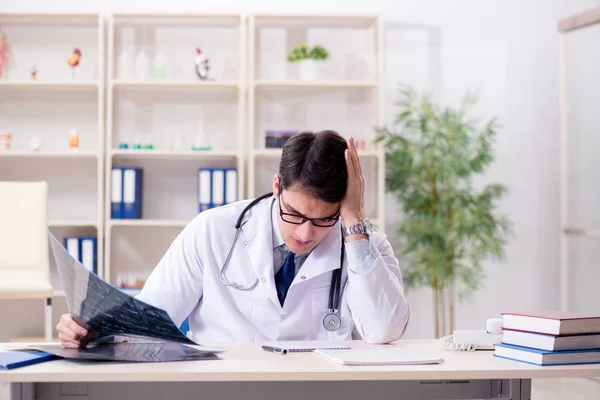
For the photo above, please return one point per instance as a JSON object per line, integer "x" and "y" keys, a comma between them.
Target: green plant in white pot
{"x": 449, "y": 227}
{"x": 307, "y": 59}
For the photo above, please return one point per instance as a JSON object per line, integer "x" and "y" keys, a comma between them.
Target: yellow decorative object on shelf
{"x": 73, "y": 140}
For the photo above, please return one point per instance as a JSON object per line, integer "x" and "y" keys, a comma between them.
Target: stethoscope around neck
{"x": 332, "y": 320}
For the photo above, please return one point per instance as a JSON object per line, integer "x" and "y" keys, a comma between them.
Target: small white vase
{"x": 308, "y": 70}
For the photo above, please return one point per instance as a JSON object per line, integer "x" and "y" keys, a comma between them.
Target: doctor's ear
{"x": 276, "y": 185}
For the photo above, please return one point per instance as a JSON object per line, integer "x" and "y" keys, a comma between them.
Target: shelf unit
{"x": 167, "y": 107}
{"x": 347, "y": 95}
{"x": 254, "y": 89}
{"x": 48, "y": 107}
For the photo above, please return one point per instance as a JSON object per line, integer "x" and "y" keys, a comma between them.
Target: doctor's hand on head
{"x": 350, "y": 207}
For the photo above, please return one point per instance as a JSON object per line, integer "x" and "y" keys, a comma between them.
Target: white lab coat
{"x": 187, "y": 282}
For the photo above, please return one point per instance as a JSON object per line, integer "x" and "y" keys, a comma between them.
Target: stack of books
{"x": 550, "y": 338}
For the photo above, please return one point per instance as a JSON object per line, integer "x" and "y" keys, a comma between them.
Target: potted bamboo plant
{"x": 449, "y": 226}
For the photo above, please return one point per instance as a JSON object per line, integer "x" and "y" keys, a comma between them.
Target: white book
{"x": 551, "y": 342}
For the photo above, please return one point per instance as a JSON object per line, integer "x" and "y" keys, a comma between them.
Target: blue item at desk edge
{"x": 17, "y": 358}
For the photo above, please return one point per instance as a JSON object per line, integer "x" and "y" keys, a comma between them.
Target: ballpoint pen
{"x": 275, "y": 350}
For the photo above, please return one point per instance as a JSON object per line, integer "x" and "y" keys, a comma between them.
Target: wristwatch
{"x": 364, "y": 226}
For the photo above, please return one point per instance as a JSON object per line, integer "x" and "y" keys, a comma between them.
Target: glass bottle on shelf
{"x": 125, "y": 66}
{"x": 142, "y": 66}
{"x": 160, "y": 71}
{"x": 201, "y": 142}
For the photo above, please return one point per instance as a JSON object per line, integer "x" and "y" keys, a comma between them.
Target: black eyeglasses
{"x": 300, "y": 219}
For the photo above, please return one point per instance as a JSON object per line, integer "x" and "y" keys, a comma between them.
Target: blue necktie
{"x": 285, "y": 276}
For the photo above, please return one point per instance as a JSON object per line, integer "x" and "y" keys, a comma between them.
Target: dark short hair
{"x": 315, "y": 163}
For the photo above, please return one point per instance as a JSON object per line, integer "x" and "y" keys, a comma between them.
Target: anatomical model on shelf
{"x": 74, "y": 59}
{"x": 3, "y": 53}
{"x": 202, "y": 65}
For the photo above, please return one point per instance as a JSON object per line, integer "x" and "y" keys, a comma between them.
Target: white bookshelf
{"x": 162, "y": 108}
{"x": 254, "y": 89}
{"x": 345, "y": 96}
{"x": 48, "y": 107}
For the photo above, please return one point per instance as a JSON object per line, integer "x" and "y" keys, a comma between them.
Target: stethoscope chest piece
{"x": 332, "y": 321}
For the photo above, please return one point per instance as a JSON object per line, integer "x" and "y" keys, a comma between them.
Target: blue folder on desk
{"x": 16, "y": 359}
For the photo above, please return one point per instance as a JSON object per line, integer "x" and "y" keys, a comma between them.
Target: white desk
{"x": 246, "y": 371}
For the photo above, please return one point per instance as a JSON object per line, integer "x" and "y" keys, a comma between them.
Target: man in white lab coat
{"x": 274, "y": 282}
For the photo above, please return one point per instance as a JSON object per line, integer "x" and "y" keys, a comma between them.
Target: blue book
{"x": 116, "y": 193}
{"x": 217, "y": 187}
{"x": 231, "y": 185}
{"x": 204, "y": 189}
{"x": 132, "y": 192}
{"x": 88, "y": 249}
{"x": 73, "y": 246}
{"x": 545, "y": 357}
{"x": 16, "y": 359}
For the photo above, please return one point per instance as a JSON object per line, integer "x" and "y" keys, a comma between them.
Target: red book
{"x": 552, "y": 322}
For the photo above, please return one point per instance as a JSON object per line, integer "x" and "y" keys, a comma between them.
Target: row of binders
{"x": 217, "y": 187}
{"x": 126, "y": 193}
{"x": 84, "y": 249}
{"x": 550, "y": 338}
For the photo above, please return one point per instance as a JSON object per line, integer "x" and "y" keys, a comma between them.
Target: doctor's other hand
{"x": 350, "y": 208}
{"x": 71, "y": 334}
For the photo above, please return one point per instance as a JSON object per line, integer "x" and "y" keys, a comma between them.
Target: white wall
{"x": 507, "y": 49}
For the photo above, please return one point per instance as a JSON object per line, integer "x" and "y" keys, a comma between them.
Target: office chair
{"x": 24, "y": 257}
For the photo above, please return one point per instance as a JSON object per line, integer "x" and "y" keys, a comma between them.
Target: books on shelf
{"x": 550, "y": 338}
{"x": 216, "y": 187}
{"x": 126, "y": 193}
{"x": 84, "y": 249}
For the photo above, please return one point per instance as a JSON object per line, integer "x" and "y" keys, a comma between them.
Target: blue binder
{"x": 132, "y": 192}
{"x": 204, "y": 189}
{"x": 218, "y": 187}
{"x": 88, "y": 249}
{"x": 73, "y": 246}
{"x": 231, "y": 185}
{"x": 16, "y": 359}
{"x": 116, "y": 193}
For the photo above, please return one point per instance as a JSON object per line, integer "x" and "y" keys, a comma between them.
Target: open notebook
{"x": 385, "y": 355}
